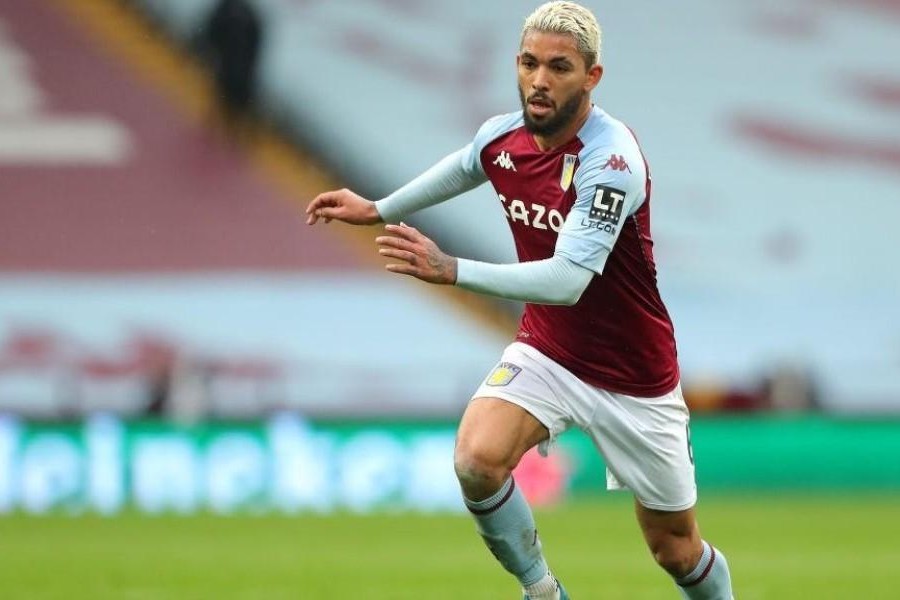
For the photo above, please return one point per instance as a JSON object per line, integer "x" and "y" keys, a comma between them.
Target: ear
{"x": 594, "y": 75}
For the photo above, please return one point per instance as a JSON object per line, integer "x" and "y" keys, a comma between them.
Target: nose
{"x": 541, "y": 79}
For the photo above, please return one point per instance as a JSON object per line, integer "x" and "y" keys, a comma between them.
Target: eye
{"x": 561, "y": 68}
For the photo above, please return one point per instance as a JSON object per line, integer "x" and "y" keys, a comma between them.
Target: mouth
{"x": 540, "y": 106}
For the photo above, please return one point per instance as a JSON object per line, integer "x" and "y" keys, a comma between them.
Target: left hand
{"x": 418, "y": 255}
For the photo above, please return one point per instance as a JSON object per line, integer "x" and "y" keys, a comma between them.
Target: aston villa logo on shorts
{"x": 568, "y": 171}
{"x": 503, "y": 374}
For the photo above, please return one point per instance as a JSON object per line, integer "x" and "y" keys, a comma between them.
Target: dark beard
{"x": 563, "y": 117}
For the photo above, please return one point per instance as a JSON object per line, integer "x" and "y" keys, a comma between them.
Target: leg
{"x": 700, "y": 570}
{"x": 493, "y": 436}
{"x": 646, "y": 445}
{"x": 673, "y": 538}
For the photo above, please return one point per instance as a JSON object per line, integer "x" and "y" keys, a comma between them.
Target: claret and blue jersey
{"x": 589, "y": 201}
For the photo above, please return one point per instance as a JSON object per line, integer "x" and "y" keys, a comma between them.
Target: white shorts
{"x": 645, "y": 442}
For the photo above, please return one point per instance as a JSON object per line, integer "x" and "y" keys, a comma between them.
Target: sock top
{"x": 704, "y": 566}
{"x": 489, "y": 505}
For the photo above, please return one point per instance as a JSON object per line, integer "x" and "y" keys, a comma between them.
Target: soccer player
{"x": 596, "y": 347}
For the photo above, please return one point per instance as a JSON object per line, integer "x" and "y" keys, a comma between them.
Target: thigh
{"x": 538, "y": 390}
{"x": 646, "y": 445}
{"x": 498, "y": 431}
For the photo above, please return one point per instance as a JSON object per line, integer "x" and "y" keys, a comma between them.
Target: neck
{"x": 549, "y": 142}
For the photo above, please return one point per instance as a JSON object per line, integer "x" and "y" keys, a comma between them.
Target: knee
{"x": 480, "y": 472}
{"x": 676, "y": 555}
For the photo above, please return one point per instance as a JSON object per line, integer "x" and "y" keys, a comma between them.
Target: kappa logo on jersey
{"x": 504, "y": 161}
{"x": 607, "y": 205}
{"x": 503, "y": 374}
{"x": 616, "y": 162}
{"x": 568, "y": 171}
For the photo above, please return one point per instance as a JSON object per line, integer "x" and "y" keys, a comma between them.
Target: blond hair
{"x": 568, "y": 18}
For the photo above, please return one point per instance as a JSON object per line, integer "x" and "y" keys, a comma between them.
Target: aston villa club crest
{"x": 568, "y": 171}
{"x": 503, "y": 374}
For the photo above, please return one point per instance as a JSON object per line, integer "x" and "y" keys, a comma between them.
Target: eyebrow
{"x": 555, "y": 59}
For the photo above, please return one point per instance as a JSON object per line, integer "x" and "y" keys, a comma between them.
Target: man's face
{"x": 553, "y": 81}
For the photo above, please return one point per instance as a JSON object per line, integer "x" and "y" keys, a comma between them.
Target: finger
{"x": 402, "y": 269}
{"x": 404, "y": 231}
{"x": 325, "y": 199}
{"x": 316, "y": 216}
{"x": 401, "y": 228}
{"x": 328, "y": 213}
{"x": 325, "y": 214}
{"x": 394, "y": 242}
{"x": 316, "y": 203}
{"x": 403, "y": 255}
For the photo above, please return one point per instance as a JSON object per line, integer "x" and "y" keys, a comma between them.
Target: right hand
{"x": 342, "y": 205}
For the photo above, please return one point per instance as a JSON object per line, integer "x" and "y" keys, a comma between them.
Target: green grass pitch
{"x": 780, "y": 547}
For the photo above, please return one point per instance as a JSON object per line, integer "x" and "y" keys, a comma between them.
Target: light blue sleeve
{"x": 610, "y": 186}
{"x": 555, "y": 280}
{"x": 488, "y": 132}
{"x": 455, "y": 174}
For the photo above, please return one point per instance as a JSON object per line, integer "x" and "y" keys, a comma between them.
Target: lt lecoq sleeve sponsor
{"x": 610, "y": 186}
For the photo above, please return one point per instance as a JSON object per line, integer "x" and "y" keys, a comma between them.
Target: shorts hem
{"x": 668, "y": 507}
{"x": 521, "y": 404}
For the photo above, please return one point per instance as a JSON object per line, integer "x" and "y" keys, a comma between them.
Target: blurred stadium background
{"x": 174, "y": 341}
